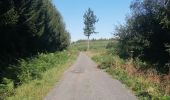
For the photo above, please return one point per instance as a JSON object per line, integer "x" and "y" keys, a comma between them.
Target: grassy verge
{"x": 137, "y": 82}
{"x": 94, "y": 45}
{"x": 52, "y": 67}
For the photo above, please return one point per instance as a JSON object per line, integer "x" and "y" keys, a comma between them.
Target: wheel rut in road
{"x": 84, "y": 81}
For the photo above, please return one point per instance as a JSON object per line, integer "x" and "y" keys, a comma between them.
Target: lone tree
{"x": 89, "y": 20}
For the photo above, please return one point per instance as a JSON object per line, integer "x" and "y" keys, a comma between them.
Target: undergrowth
{"x": 36, "y": 76}
{"x": 136, "y": 80}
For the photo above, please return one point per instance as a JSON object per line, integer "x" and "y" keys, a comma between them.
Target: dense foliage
{"x": 28, "y": 27}
{"x": 143, "y": 85}
{"x": 146, "y": 34}
{"x": 31, "y": 71}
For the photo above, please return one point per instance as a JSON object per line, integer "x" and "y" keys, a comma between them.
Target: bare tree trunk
{"x": 88, "y": 44}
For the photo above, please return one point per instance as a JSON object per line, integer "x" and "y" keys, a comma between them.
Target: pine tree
{"x": 26, "y": 28}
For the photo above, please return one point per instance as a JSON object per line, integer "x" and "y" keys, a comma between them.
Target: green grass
{"x": 94, "y": 45}
{"x": 40, "y": 74}
{"x": 142, "y": 88}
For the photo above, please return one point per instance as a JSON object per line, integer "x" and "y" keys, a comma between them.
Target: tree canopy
{"x": 90, "y": 20}
{"x": 147, "y": 33}
{"x": 28, "y": 27}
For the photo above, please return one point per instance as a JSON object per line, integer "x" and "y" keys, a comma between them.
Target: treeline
{"x": 93, "y": 39}
{"x": 146, "y": 34}
{"x": 28, "y": 27}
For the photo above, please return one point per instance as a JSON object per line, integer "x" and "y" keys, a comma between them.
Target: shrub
{"x": 139, "y": 64}
{"x": 110, "y": 45}
{"x": 7, "y": 88}
{"x": 31, "y": 69}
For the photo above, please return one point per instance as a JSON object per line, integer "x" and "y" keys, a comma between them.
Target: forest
{"x": 28, "y": 28}
{"x": 36, "y": 49}
{"x": 146, "y": 34}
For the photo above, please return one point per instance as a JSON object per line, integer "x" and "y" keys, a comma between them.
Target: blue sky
{"x": 109, "y": 12}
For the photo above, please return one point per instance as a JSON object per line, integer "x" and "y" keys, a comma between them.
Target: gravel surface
{"x": 83, "y": 81}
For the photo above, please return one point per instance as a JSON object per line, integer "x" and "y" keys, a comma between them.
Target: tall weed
{"x": 132, "y": 77}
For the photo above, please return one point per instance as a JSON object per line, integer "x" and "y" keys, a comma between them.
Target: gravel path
{"x": 83, "y": 81}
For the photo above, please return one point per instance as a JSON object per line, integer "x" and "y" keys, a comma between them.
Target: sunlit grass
{"x": 94, "y": 45}
{"x": 142, "y": 88}
{"x": 37, "y": 89}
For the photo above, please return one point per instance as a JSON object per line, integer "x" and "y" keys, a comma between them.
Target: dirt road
{"x": 83, "y": 81}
